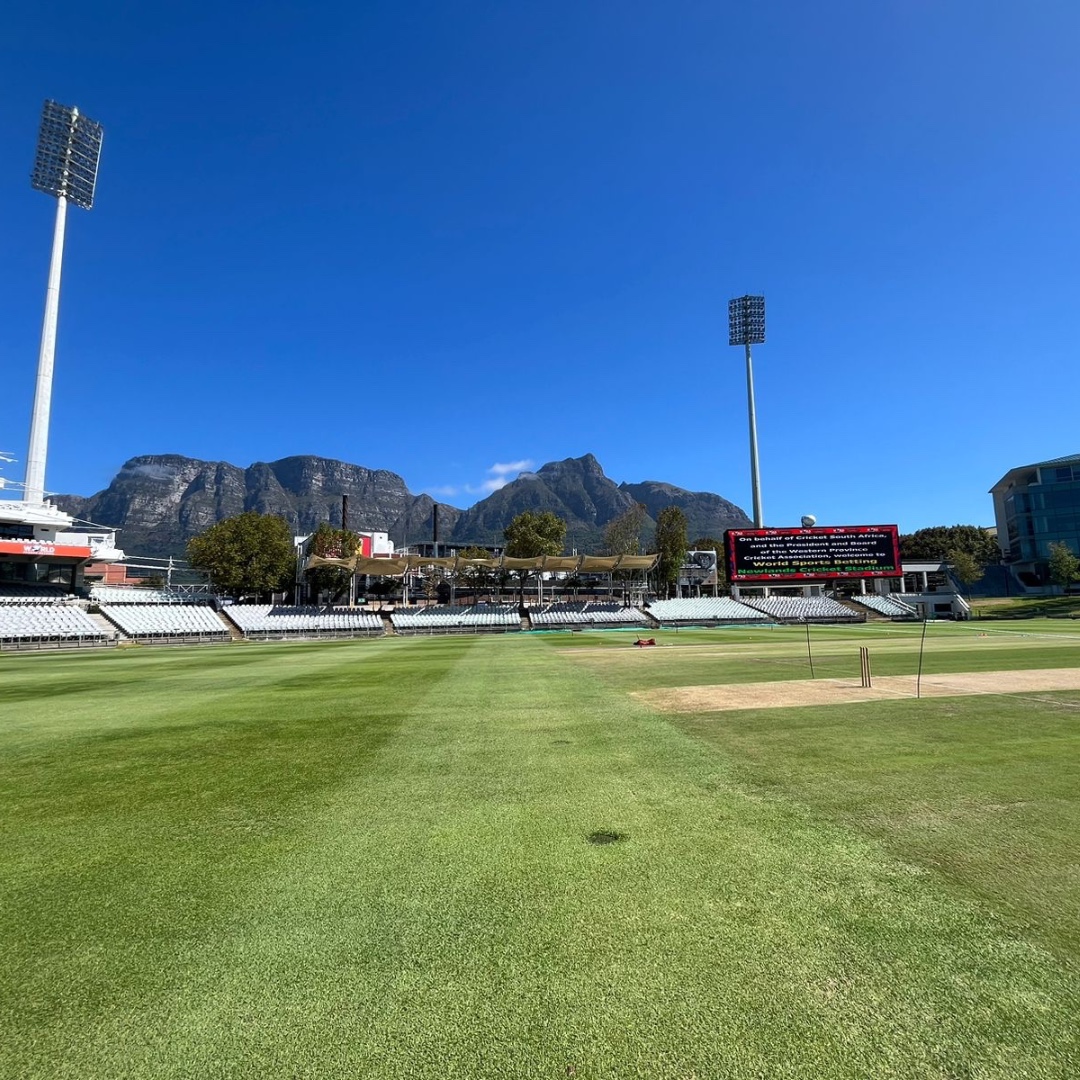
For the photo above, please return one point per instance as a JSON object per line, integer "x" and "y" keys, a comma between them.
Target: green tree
{"x": 710, "y": 543}
{"x": 1063, "y": 566}
{"x": 330, "y": 543}
{"x": 623, "y": 534}
{"x": 966, "y": 568}
{"x": 250, "y": 554}
{"x": 670, "y": 546}
{"x": 533, "y": 534}
{"x": 530, "y": 535}
{"x": 937, "y": 543}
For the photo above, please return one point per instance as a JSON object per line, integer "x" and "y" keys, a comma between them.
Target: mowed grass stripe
{"x": 409, "y": 892}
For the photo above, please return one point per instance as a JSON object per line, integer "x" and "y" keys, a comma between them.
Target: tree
{"x": 710, "y": 543}
{"x": 251, "y": 553}
{"x": 966, "y": 568}
{"x": 670, "y": 546}
{"x": 431, "y": 577}
{"x": 937, "y": 543}
{"x": 623, "y": 534}
{"x": 476, "y": 578}
{"x": 1064, "y": 566}
{"x": 330, "y": 543}
{"x": 531, "y": 535}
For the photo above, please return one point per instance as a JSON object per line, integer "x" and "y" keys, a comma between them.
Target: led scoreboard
{"x": 850, "y": 551}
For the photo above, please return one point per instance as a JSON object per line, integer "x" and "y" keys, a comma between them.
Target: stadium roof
{"x": 401, "y": 564}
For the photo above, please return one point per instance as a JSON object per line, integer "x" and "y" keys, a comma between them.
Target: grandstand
{"x": 127, "y": 594}
{"x": 497, "y": 618}
{"x": 803, "y": 609}
{"x": 890, "y": 606}
{"x": 703, "y": 611}
{"x": 587, "y": 613}
{"x": 54, "y": 623}
{"x": 159, "y": 621}
{"x": 269, "y": 621}
{"x": 13, "y": 592}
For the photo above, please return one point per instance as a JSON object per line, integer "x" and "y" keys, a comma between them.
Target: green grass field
{"x": 371, "y": 859}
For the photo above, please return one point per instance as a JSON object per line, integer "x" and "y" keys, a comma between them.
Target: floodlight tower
{"x": 66, "y": 164}
{"x": 746, "y": 326}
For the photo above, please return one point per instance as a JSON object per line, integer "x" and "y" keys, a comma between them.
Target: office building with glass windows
{"x": 1036, "y": 506}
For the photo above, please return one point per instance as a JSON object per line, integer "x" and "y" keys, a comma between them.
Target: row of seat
{"x": 704, "y": 609}
{"x": 16, "y": 592}
{"x": 801, "y": 608}
{"x": 587, "y": 614}
{"x": 128, "y": 594}
{"x": 21, "y": 622}
{"x": 451, "y": 618}
{"x": 268, "y": 619}
{"x": 173, "y": 620}
{"x": 892, "y": 606}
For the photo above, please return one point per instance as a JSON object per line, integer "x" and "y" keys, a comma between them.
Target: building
{"x": 1036, "y": 506}
{"x": 41, "y": 546}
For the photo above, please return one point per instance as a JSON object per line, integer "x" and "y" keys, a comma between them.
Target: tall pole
{"x": 39, "y": 422}
{"x": 65, "y": 166}
{"x": 755, "y": 476}
{"x": 746, "y": 327}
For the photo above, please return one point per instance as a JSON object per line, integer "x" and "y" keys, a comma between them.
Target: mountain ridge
{"x": 159, "y": 501}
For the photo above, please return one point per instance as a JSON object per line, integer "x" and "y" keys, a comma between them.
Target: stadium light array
{"x": 746, "y": 320}
{"x": 746, "y": 327}
{"x": 65, "y": 166}
{"x": 68, "y": 150}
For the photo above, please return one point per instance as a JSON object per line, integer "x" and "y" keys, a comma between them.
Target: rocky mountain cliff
{"x": 161, "y": 501}
{"x": 578, "y": 491}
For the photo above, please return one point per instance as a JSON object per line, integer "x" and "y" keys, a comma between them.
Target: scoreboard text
{"x": 851, "y": 551}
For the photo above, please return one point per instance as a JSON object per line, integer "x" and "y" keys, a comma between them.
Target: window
{"x": 13, "y": 530}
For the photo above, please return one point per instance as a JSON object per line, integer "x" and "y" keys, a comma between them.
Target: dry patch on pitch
{"x": 800, "y": 692}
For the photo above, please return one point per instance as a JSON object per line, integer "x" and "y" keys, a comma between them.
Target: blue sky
{"x": 454, "y": 240}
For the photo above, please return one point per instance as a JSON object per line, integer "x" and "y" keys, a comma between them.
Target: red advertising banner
{"x": 39, "y": 547}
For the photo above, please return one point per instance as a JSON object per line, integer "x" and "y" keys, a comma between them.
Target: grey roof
{"x": 1069, "y": 459}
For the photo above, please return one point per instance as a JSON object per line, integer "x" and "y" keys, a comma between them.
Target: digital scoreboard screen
{"x": 850, "y": 551}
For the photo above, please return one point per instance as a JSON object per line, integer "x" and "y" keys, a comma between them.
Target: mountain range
{"x": 159, "y": 501}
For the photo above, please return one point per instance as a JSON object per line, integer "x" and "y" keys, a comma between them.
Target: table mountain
{"x": 579, "y": 492}
{"x": 160, "y": 501}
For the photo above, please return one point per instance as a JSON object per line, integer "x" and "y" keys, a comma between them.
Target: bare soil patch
{"x": 796, "y": 693}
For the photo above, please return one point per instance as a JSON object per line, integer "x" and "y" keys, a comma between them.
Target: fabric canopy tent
{"x": 572, "y": 564}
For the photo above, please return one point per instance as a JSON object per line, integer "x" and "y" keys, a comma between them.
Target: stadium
{"x": 825, "y": 826}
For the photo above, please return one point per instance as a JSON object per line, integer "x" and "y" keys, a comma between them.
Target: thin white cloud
{"x": 503, "y": 468}
{"x": 500, "y": 474}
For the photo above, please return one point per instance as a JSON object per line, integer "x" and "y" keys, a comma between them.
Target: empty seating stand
{"x": 478, "y": 618}
{"x": 580, "y": 615}
{"x": 703, "y": 611}
{"x": 129, "y": 594}
{"x": 13, "y": 592}
{"x": 39, "y": 625}
{"x": 166, "y": 623}
{"x": 267, "y": 621}
{"x": 890, "y": 606}
{"x": 803, "y": 609}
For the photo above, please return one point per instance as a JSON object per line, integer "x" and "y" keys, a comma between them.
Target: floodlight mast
{"x": 746, "y": 327}
{"x": 65, "y": 166}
